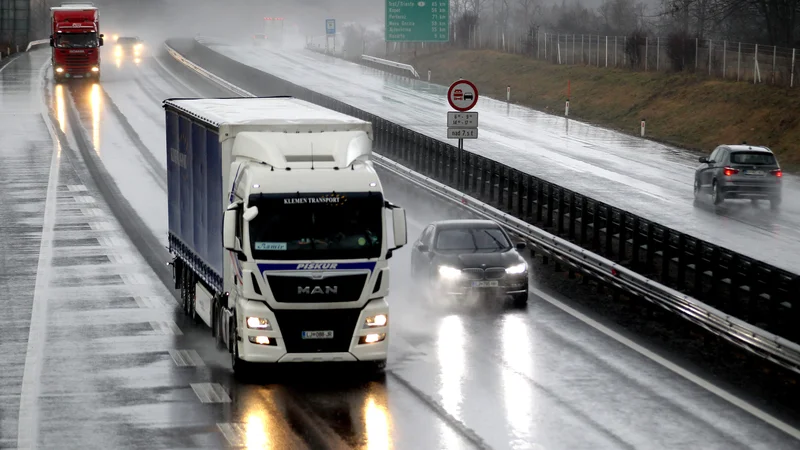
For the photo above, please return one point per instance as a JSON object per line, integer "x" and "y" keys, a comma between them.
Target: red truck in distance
{"x": 76, "y": 41}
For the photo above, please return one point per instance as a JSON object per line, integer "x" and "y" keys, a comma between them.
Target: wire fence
{"x": 737, "y": 61}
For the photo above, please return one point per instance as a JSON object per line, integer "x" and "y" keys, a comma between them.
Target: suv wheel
{"x": 716, "y": 194}
{"x": 697, "y": 190}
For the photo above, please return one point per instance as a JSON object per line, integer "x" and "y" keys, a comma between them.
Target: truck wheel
{"x": 219, "y": 329}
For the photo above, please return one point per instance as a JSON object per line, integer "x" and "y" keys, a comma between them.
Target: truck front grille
{"x": 342, "y": 322}
{"x": 302, "y": 289}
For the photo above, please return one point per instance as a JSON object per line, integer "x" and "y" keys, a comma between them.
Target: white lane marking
{"x": 76, "y": 188}
{"x": 210, "y": 393}
{"x": 723, "y": 394}
{"x": 168, "y": 328}
{"x": 186, "y": 358}
{"x": 28, "y": 424}
{"x": 234, "y": 433}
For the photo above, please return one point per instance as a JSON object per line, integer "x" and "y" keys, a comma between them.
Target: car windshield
{"x": 755, "y": 158}
{"x": 472, "y": 240}
{"x": 127, "y": 41}
{"x": 78, "y": 40}
{"x": 317, "y": 226}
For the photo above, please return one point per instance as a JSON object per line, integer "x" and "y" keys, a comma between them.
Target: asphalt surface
{"x": 636, "y": 175}
{"x": 96, "y": 354}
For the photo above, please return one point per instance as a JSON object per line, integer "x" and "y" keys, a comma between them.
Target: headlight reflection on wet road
{"x": 61, "y": 112}
{"x": 517, "y": 390}
{"x": 94, "y": 99}
{"x": 376, "y": 419}
{"x": 450, "y": 346}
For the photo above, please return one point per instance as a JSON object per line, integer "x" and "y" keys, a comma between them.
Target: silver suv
{"x": 739, "y": 171}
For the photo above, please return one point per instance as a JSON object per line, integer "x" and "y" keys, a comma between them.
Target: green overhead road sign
{"x": 417, "y": 21}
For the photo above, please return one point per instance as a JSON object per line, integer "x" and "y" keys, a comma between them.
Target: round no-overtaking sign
{"x": 462, "y": 95}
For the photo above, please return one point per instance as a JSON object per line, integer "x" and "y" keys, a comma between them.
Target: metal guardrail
{"x": 596, "y": 238}
{"x": 37, "y": 42}
{"x": 373, "y": 61}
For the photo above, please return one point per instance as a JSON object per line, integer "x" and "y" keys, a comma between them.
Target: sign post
{"x": 461, "y": 124}
{"x": 417, "y": 21}
{"x": 330, "y": 31}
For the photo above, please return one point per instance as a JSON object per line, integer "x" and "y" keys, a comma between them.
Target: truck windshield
{"x": 78, "y": 40}
{"x": 317, "y": 226}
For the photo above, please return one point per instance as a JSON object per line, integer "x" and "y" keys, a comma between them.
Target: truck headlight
{"x": 378, "y": 320}
{"x": 258, "y": 323}
{"x": 59, "y": 69}
{"x": 517, "y": 269}
{"x": 95, "y": 69}
{"x": 450, "y": 273}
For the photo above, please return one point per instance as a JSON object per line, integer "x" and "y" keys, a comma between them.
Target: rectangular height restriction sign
{"x": 417, "y": 21}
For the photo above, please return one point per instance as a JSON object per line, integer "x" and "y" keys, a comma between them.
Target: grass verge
{"x": 685, "y": 110}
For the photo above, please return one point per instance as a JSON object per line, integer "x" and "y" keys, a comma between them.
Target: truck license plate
{"x": 326, "y": 334}
{"x": 484, "y": 284}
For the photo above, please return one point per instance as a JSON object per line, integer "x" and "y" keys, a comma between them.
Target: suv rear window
{"x": 756, "y": 158}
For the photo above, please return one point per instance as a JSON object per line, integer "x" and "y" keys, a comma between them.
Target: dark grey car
{"x": 462, "y": 257}
{"x": 739, "y": 171}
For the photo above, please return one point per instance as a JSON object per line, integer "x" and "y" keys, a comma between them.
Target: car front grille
{"x": 342, "y": 322}
{"x": 300, "y": 289}
{"x": 493, "y": 273}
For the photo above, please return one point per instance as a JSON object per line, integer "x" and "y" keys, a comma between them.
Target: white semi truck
{"x": 279, "y": 229}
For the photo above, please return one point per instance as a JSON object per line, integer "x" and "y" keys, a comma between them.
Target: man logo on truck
{"x": 317, "y": 290}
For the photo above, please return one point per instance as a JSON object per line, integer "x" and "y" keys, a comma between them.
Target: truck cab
{"x": 76, "y": 40}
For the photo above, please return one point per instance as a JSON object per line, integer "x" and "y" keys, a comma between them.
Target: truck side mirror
{"x": 250, "y": 213}
{"x": 101, "y": 40}
{"x": 399, "y": 225}
{"x": 229, "y": 230}
{"x": 52, "y": 42}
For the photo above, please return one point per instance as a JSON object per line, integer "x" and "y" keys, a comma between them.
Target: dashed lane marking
{"x": 210, "y": 393}
{"x": 186, "y": 358}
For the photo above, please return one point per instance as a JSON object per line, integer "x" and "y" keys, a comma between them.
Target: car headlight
{"x": 448, "y": 272}
{"x": 258, "y": 323}
{"x": 517, "y": 269}
{"x": 378, "y": 320}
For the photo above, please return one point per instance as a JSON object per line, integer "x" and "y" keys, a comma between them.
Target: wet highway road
{"x": 118, "y": 366}
{"x": 633, "y": 174}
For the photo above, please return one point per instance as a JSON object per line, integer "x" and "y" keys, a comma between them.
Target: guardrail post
{"x": 609, "y": 220}
{"x": 595, "y": 226}
{"x": 539, "y": 199}
{"x": 501, "y": 182}
{"x": 666, "y": 256}
{"x": 699, "y": 268}
{"x": 475, "y": 170}
{"x": 754, "y": 289}
{"x": 573, "y": 211}
{"x": 682, "y": 261}
{"x": 715, "y": 271}
{"x": 520, "y": 194}
{"x": 491, "y": 180}
{"x": 529, "y": 198}
{"x": 637, "y": 242}
{"x": 561, "y": 212}
{"x": 650, "y": 243}
{"x": 452, "y": 157}
{"x": 550, "y": 201}
{"x": 584, "y": 221}
{"x": 623, "y": 219}
{"x": 733, "y": 276}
